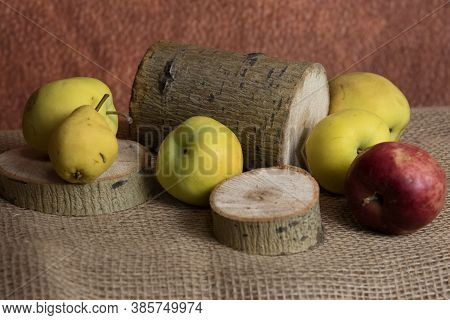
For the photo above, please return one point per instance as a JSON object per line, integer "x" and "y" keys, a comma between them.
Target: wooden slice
{"x": 268, "y": 211}
{"x": 27, "y": 179}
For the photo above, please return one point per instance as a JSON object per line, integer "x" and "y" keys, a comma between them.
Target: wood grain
{"x": 28, "y": 180}
{"x": 270, "y": 104}
{"x": 269, "y": 211}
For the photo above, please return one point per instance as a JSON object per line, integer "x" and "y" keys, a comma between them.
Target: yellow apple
{"x": 196, "y": 156}
{"x": 372, "y": 92}
{"x": 335, "y": 142}
{"x": 51, "y": 104}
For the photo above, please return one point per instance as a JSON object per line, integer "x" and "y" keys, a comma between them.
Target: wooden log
{"x": 269, "y": 211}
{"x": 27, "y": 179}
{"x": 270, "y": 104}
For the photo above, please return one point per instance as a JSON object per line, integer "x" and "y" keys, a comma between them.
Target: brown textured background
{"x": 110, "y": 37}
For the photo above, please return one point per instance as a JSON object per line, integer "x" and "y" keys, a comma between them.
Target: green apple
{"x": 334, "y": 143}
{"x": 196, "y": 156}
{"x": 51, "y": 104}
{"x": 372, "y": 92}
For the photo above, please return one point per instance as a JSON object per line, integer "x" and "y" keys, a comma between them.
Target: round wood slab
{"x": 269, "y": 211}
{"x": 27, "y": 179}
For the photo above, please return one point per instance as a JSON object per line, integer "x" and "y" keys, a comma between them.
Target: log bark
{"x": 269, "y": 211}
{"x": 270, "y": 104}
{"x": 28, "y": 180}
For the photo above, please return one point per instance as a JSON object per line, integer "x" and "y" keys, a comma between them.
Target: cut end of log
{"x": 269, "y": 211}
{"x": 309, "y": 105}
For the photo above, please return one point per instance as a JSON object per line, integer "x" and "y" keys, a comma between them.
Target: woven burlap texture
{"x": 165, "y": 250}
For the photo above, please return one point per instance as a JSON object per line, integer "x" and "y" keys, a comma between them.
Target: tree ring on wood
{"x": 27, "y": 179}
{"x": 268, "y": 211}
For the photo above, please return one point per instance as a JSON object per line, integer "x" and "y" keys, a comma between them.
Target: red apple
{"x": 395, "y": 188}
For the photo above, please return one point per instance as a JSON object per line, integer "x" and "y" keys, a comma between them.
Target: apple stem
{"x": 99, "y": 105}
{"x": 126, "y": 116}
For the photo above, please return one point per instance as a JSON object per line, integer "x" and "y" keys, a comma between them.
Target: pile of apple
{"x": 391, "y": 187}
{"x": 75, "y": 122}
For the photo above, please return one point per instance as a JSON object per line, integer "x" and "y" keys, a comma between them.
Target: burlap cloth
{"x": 165, "y": 250}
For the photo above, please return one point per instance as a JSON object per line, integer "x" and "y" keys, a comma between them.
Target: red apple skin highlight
{"x": 395, "y": 188}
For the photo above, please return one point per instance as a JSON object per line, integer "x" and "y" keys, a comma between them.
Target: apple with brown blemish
{"x": 395, "y": 188}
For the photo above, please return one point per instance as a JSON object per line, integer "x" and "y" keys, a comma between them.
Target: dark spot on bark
{"x": 203, "y": 82}
{"x": 281, "y": 229}
{"x": 304, "y": 238}
{"x": 235, "y": 225}
{"x": 185, "y": 151}
{"x": 241, "y": 85}
{"x": 269, "y": 74}
{"x": 320, "y": 235}
{"x": 211, "y": 97}
{"x": 272, "y": 117}
{"x": 293, "y": 223}
{"x": 103, "y": 157}
{"x": 278, "y": 132}
{"x": 245, "y": 235}
{"x": 243, "y": 72}
{"x": 280, "y": 103}
{"x": 283, "y": 70}
{"x": 118, "y": 184}
{"x": 253, "y": 57}
{"x": 166, "y": 78}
